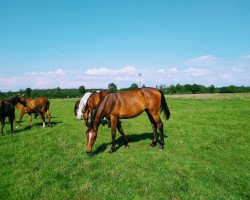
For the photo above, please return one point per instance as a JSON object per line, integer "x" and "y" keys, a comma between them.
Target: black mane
{"x": 91, "y": 125}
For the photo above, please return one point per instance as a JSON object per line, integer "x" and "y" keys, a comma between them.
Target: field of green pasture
{"x": 206, "y": 155}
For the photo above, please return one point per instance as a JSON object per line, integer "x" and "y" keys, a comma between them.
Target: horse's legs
{"x": 43, "y": 117}
{"x": 159, "y": 123}
{"x": 22, "y": 111}
{"x": 11, "y": 119}
{"x": 154, "y": 127}
{"x": 113, "y": 133}
{"x": 119, "y": 126}
{"x": 30, "y": 117}
{"x": 48, "y": 116}
{"x": 2, "y": 124}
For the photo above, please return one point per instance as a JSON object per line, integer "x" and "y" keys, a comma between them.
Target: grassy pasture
{"x": 206, "y": 155}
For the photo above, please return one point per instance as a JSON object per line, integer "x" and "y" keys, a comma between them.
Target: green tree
{"x": 28, "y": 92}
{"x": 112, "y": 87}
{"x": 82, "y": 89}
{"x": 133, "y": 86}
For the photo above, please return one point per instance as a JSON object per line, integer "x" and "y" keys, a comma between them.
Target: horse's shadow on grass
{"x": 120, "y": 142}
{"x": 28, "y": 127}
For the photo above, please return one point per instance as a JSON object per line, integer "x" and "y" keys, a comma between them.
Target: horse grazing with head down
{"x": 76, "y": 107}
{"x": 92, "y": 102}
{"x": 7, "y": 109}
{"x": 129, "y": 104}
{"x": 38, "y": 106}
{"x": 81, "y": 104}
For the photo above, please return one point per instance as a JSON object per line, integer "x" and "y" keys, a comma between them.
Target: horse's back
{"x": 132, "y": 103}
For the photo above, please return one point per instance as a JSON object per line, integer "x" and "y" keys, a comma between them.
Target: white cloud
{"x": 203, "y": 60}
{"x": 238, "y": 69}
{"x": 197, "y": 72}
{"x": 223, "y": 72}
{"x": 246, "y": 56}
{"x": 107, "y": 71}
{"x": 227, "y": 77}
{"x": 57, "y": 72}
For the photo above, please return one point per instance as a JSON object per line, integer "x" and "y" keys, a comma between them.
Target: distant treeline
{"x": 78, "y": 93}
{"x": 200, "y": 89}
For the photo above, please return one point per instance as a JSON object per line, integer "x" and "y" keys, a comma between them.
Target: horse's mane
{"x": 91, "y": 125}
{"x": 87, "y": 105}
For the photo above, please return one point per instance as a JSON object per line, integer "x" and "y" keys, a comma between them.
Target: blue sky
{"x": 62, "y": 43}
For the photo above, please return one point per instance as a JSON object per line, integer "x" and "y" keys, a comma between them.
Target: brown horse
{"x": 38, "y": 106}
{"x": 92, "y": 102}
{"x": 22, "y": 111}
{"x": 7, "y": 109}
{"x": 76, "y": 107}
{"x": 129, "y": 104}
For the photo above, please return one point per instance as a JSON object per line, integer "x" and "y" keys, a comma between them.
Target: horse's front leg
{"x": 11, "y": 119}
{"x": 119, "y": 126}
{"x": 2, "y": 124}
{"x": 30, "y": 117}
{"x": 20, "y": 118}
{"x": 113, "y": 134}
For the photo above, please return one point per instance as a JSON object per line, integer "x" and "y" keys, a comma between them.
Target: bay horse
{"x": 38, "y": 106}
{"x": 76, "y": 107}
{"x": 92, "y": 102}
{"x": 7, "y": 109}
{"x": 22, "y": 111}
{"x": 82, "y": 103}
{"x": 125, "y": 105}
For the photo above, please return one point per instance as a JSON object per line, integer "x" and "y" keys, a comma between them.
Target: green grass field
{"x": 206, "y": 155}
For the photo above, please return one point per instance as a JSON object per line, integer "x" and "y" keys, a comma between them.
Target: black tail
{"x": 164, "y": 106}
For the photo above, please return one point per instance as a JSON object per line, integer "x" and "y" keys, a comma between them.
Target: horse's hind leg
{"x": 119, "y": 127}
{"x": 159, "y": 123}
{"x": 43, "y": 117}
{"x": 11, "y": 119}
{"x": 154, "y": 127}
{"x": 49, "y": 116}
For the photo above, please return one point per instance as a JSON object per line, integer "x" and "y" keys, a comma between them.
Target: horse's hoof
{"x": 153, "y": 144}
{"x": 110, "y": 151}
{"x": 126, "y": 146}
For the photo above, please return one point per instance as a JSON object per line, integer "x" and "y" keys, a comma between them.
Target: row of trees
{"x": 78, "y": 93}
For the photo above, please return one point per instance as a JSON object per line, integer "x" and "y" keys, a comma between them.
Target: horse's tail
{"x": 164, "y": 105}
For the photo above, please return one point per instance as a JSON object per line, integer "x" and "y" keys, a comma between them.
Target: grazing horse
{"x": 7, "y": 109}
{"x": 23, "y": 110}
{"x": 82, "y": 103}
{"x": 38, "y": 106}
{"x": 92, "y": 102}
{"x": 76, "y": 107}
{"x": 129, "y": 104}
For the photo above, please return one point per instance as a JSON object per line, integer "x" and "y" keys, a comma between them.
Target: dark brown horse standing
{"x": 7, "y": 109}
{"x": 76, "y": 107}
{"x": 92, "y": 102}
{"x": 38, "y": 106}
{"x": 129, "y": 104}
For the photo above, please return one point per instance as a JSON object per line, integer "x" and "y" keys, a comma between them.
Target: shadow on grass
{"x": 26, "y": 128}
{"x": 120, "y": 142}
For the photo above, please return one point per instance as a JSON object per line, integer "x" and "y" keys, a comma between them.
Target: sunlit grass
{"x": 206, "y": 155}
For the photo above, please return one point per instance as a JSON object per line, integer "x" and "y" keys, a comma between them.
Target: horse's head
{"x": 91, "y": 138}
{"x": 21, "y": 99}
